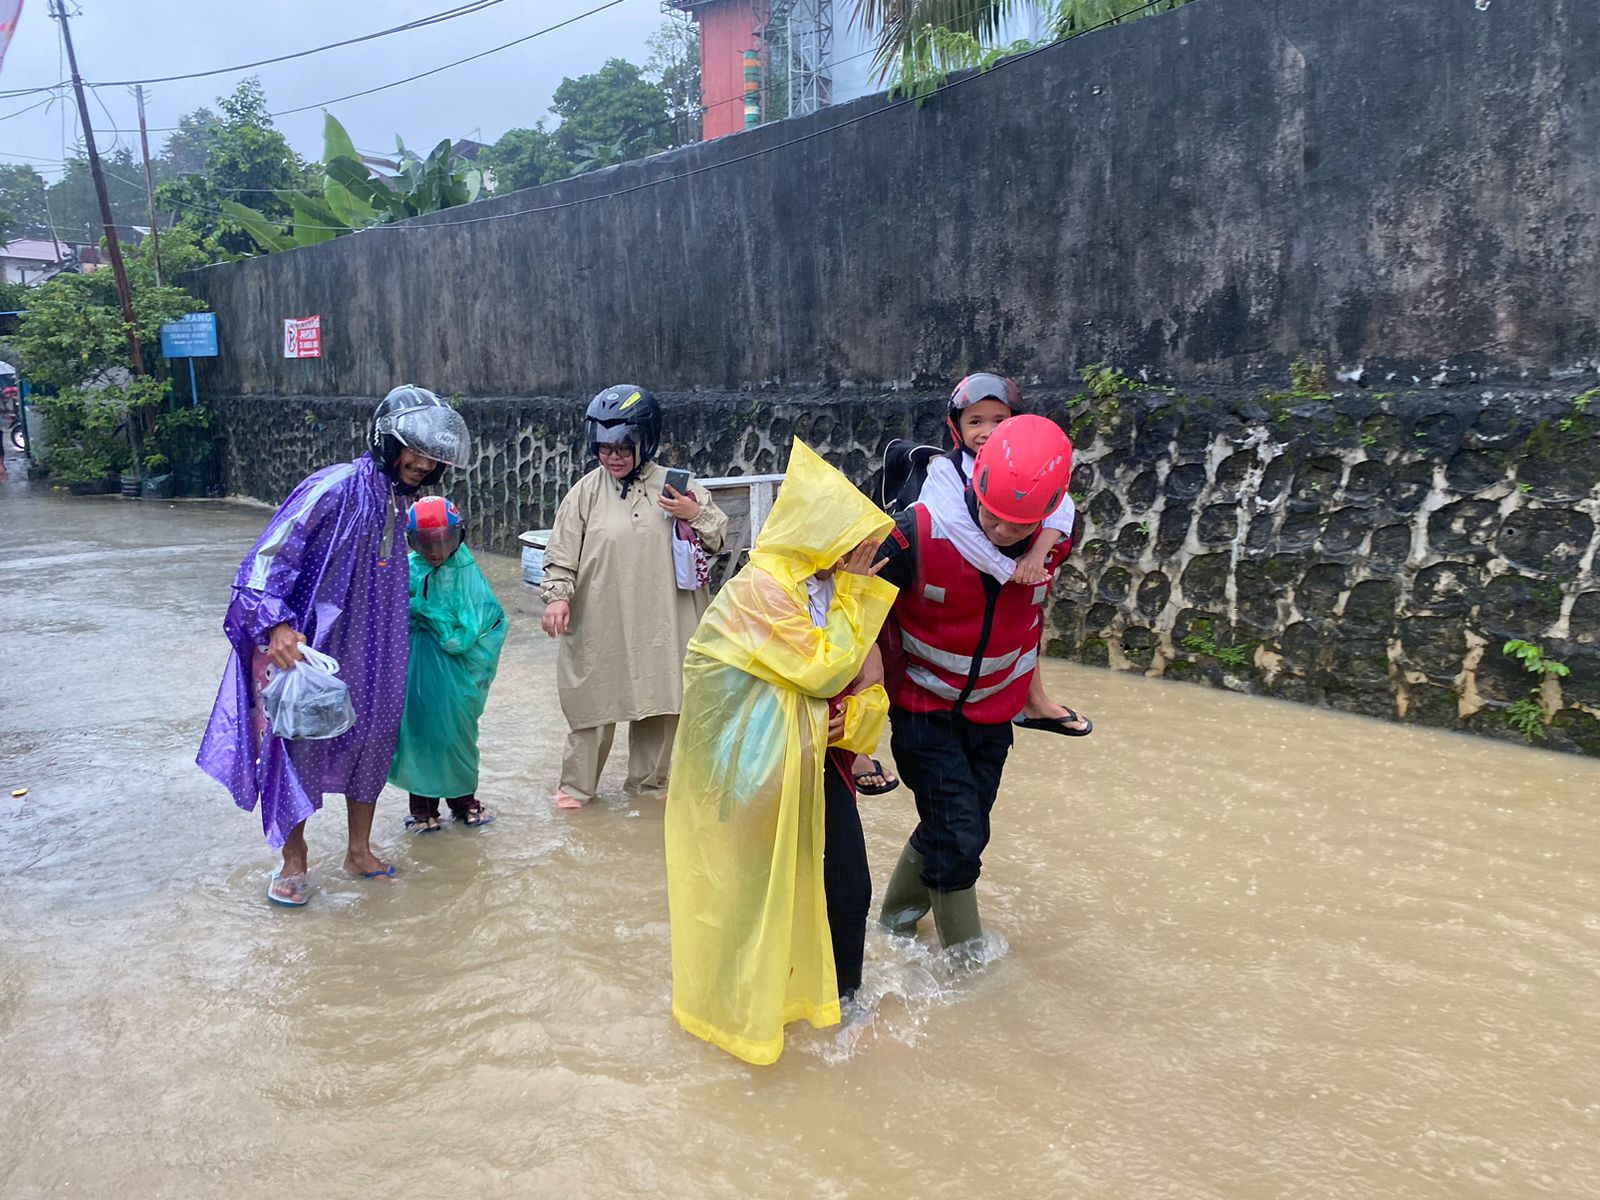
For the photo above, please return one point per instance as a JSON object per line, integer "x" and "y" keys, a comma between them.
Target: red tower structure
{"x": 729, "y": 29}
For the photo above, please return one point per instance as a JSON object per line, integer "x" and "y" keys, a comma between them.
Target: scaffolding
{"x": 807, "y": 41}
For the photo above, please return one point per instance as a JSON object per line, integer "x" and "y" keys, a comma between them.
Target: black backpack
{"x": 905, "y": 470}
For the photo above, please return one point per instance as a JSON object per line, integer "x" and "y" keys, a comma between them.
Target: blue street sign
{"x": 193, "y": 337}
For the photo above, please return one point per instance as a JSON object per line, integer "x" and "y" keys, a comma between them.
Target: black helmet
{"x": 624, "y": 410}
{"x": 413, "y": 418}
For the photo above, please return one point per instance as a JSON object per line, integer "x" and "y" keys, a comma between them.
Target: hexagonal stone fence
{"x": 1372, "y": 551}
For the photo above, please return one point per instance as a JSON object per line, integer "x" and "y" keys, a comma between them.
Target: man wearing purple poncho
{"x": 329, "y": 570}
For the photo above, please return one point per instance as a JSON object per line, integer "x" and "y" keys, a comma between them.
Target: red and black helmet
{"x": 982, "y": 385}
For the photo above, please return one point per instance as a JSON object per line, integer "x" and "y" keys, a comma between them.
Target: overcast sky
{"x": 140, "y": 39}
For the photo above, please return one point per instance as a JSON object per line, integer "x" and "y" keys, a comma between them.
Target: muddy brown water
{"x": 1242, "y": 950}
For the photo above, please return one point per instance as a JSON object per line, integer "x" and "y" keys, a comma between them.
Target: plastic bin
{"x": 533, "y": 543}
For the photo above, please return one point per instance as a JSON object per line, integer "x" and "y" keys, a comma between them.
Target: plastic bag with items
{"x": 309, "y": 702}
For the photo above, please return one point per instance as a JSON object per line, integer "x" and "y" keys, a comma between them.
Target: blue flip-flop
{"x": 301, "y": 891}
{"x": 387, "y": 873}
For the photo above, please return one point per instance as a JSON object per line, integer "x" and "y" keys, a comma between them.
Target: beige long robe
{"x": 622, "y": 657}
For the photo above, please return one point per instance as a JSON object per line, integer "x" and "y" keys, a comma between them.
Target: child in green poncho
{"x": 457, "y": 629}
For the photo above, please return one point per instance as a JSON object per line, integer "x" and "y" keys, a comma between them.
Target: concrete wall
{"x": 1205, "y": 193}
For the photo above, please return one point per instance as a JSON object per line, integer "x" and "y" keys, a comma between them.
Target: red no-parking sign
{"x": 302, "y": 337}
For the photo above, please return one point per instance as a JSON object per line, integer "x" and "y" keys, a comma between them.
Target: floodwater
{"x": 1243, "y": 950}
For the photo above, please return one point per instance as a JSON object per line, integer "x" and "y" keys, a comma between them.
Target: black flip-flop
{"x": 890, "y": 782}
{"x": 1057, "y": 724}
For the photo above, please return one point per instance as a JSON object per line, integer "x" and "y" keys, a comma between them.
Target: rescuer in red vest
{"x": 961, "y": 650}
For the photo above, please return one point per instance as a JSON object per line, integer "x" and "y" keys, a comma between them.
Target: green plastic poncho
{"x": 457, "y": 629}
{"x": 751, "y": 949}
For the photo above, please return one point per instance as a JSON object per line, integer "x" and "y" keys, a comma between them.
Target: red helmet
{"x": 1022, "y": 470}
{"x": 434, "y": 522}
{"x": 981, "y": 385}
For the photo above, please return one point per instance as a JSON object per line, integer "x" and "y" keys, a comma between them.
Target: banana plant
{"x": 353, "y": 197}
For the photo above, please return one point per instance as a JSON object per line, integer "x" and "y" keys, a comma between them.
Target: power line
{"x": 461, "y": 10}
{"x": 13, "y": 93}
{"x": 37, "y": 104}
{"x": 421, "y": 74}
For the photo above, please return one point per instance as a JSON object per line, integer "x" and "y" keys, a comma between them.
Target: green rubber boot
{"x": 956, "y": 916}
{"x": 906, "y": 900}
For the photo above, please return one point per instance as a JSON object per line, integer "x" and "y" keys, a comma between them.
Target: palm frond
{"x": 903, "y": 29}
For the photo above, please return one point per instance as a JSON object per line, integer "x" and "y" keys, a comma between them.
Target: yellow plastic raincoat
{"x": 750, "y": 944}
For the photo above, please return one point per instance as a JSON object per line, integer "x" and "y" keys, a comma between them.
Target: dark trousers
{"x": 952, "y": 766}
{"x": 846, "y": 879}
{"x": 428, "y": 806}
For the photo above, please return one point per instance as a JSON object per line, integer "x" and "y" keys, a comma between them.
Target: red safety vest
{"x": 957, "y": 648}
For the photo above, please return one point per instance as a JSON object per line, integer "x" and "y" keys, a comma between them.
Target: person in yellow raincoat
{"x": 752, "y": 948}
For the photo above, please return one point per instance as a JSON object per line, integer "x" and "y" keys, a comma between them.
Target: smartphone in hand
{"x": 678, "y": 481}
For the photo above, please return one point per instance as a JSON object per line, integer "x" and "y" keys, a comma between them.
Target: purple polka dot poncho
{"x": 321, "y": 565}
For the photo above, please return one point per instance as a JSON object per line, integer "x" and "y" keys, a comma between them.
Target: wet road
{"x": 1250, "y": 950}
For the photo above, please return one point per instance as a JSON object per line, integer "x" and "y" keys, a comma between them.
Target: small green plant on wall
{"x": 1308, "y": 379}
{"x": 1105, "y": 382}
{"x": 1526, "y": 715}
{"x": 1203, "y": 641}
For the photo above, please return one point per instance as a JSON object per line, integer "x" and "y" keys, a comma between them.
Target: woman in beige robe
{"x": 612, "y": 597}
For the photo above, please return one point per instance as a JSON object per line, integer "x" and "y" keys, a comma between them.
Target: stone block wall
{"x": 1367, "y": 550}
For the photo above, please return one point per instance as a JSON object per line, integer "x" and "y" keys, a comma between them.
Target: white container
{"x": 533, "y": 543}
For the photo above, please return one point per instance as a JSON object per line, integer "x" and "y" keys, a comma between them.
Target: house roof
{"x": 36, "y": 249}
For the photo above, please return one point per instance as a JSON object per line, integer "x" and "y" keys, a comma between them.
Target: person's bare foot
{"x": 368, "y": 865}
{"x": 290, "y": 884}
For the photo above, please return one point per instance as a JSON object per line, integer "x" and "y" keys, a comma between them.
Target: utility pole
{"x": 60, "y": 13}
{"x": 149, "y": 186}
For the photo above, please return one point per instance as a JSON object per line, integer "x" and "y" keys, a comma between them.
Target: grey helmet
{"x": 413, "y": 418}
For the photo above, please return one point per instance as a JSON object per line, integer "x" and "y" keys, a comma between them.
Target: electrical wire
{"x": 422, "y": 74}
{"x": 30, "y": 108}
{"x": 450, "y": 14}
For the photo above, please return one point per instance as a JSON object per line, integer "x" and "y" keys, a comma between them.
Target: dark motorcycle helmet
{"x": 624, "y": 411}
{"x": 413, "y": 418}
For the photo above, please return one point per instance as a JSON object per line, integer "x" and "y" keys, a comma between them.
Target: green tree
{"x": 674, "y": 67}
{"x": 75, "y": 207}
{"x": 244, "y": 158}
{"x": 614, "y": 106}
{"x": 525, "y": 158}
{"x": 188, "y": 147}
{"x": 72, "y": 343}
{"x": 22, "y": 203}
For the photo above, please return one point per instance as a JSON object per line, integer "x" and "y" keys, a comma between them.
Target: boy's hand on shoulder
{"x": 1031, "y": 568}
